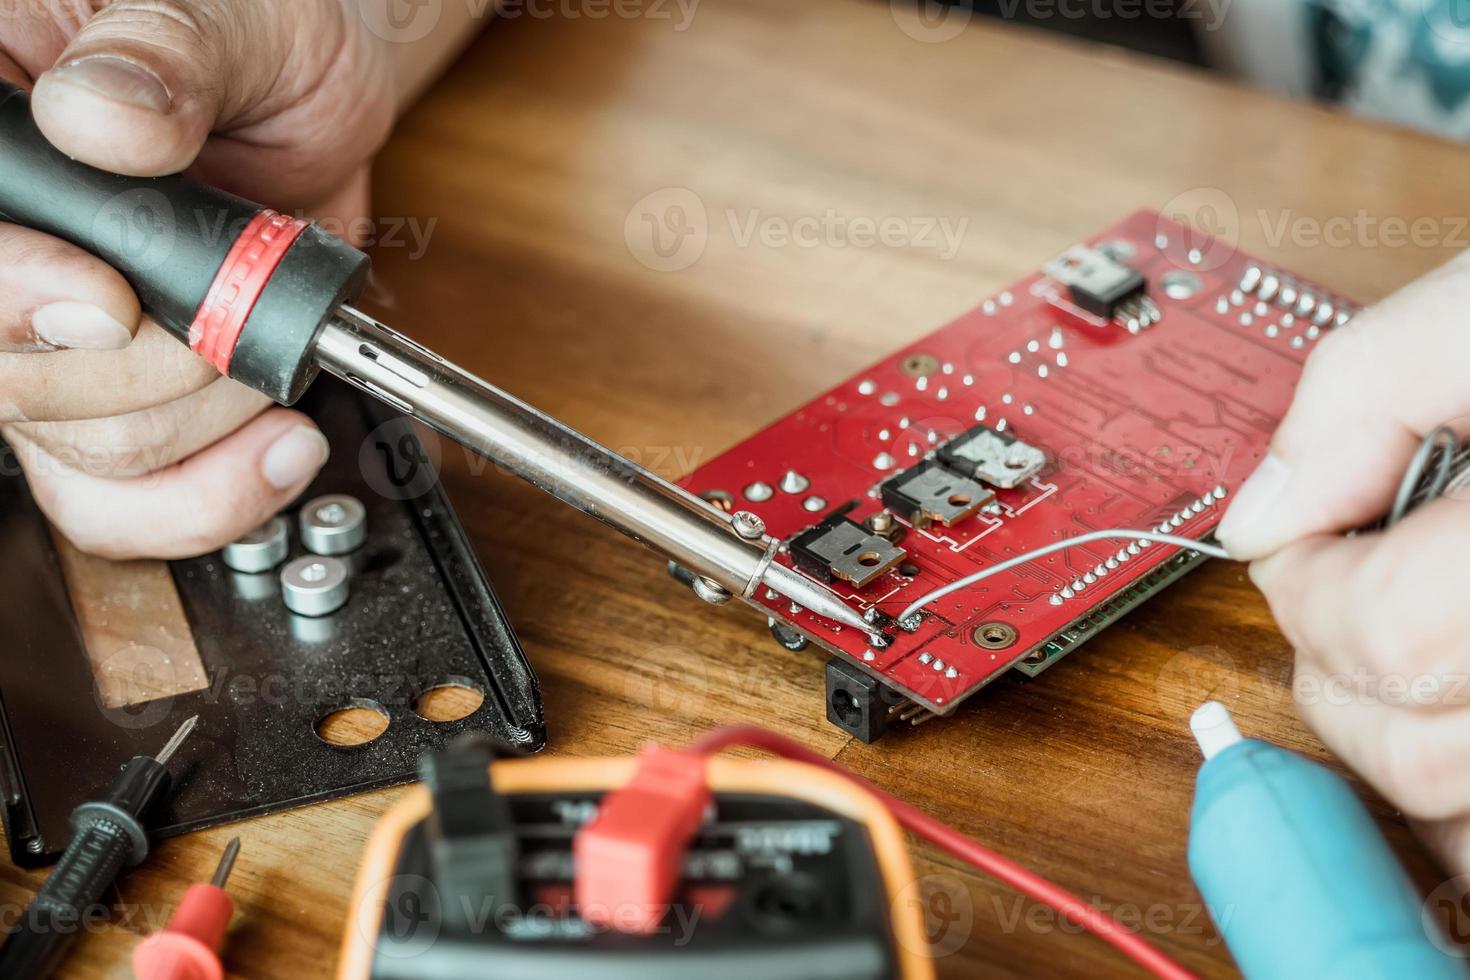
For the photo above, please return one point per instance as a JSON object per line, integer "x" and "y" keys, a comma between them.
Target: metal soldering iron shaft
{"x": 561, "y": 461}
{"x": 818, "y": 599}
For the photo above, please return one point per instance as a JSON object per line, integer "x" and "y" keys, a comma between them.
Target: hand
{"x": 1379, "y": 620}
{"x": 132, "y": 445}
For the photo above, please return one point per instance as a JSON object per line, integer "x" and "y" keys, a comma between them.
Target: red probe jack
{"x": 187, "y": 948}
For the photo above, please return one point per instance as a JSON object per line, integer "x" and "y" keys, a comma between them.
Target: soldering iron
{"x": 266, "y": 299}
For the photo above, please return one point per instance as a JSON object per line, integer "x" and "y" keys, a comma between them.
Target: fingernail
{"x": 294, "y": 457}
{"x": 79, "y": 326}
{"x": 1253, "y": 512}
{"x": 118, "y": 79}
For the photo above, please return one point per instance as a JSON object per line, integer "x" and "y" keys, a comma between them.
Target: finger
{"x": 346, "y": 213}
{"x": 12, "y": 72}
{"x": 153, "y": 370}
{"x": 1415, "y": 759}
{"x": 1449, "y": 840}
{"x": 150, "y": 440}
{"x": 295, "y": 87}
{"x": 54, "y": 295}
{"x": 1381, "y": 603}
{"x": 1369, "y": 393}
{"x": 188, "y": 509}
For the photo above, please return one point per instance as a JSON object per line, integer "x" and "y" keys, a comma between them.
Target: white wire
{"x": 1214, "y": 551}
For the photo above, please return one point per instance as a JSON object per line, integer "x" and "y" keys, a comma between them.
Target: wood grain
{"x": 531, "y": 155}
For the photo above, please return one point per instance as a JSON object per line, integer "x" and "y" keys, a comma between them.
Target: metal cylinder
{"x": 333, "y": 525}
{"x": 561, "y": 461}
{"x": 261, "y": 550}
{"x": 537, "y": 448}
{"x": 315, "y": 585}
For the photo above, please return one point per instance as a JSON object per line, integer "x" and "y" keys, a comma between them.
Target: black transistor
{"x": 929, "y": 492}
{"x": 839, "y": 548}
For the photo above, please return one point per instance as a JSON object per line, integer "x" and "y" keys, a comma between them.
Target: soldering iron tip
{"x": 173, "y": 744}
{"x": 226, "y": 863}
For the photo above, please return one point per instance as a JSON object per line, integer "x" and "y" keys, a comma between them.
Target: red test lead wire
{"x": 188, "y": 947}
{"x": 965, "y": 848}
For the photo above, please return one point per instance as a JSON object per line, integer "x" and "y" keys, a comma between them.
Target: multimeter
{"x": 665, "y": 865}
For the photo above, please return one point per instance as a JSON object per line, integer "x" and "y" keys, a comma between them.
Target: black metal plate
{"x": 421, "y": 612}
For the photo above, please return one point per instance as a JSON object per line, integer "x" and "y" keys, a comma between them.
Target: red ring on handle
{"x": 247, "y": 268}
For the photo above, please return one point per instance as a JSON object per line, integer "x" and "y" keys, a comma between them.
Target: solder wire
{"x": 1414, "y": 490}
{"x": 1419, "y": 485}
{"x": 1116, "y": 534}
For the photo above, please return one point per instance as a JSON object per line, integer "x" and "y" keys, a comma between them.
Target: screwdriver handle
{"x": 246, "y": 288}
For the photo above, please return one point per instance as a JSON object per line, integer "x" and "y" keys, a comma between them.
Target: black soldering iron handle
{"x": 171, "y": 237}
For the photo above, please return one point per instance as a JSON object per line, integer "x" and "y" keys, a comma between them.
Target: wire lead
{"x": 1214, "y": 551}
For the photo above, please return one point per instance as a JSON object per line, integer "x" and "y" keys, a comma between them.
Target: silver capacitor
{"x": 315, "y": 585}
{"x": 261, "y": 550}
{"x": 333, "y": 525}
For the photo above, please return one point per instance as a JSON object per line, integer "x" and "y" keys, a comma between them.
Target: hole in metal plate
{"x": 358, "y": 722}
{"x": 449, "y": 700}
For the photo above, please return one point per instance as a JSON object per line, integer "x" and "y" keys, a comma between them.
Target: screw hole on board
{"x": 994, "y": 635}
{"x": 919, "y": 365}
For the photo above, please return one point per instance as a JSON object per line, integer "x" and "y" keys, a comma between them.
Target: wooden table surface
{"x": 531, "y": 155}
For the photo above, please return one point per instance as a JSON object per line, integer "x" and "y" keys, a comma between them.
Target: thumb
{"x": 1369, "y": 394}
{"x": 144, "y": 83}
{"x": 140, "y": 87}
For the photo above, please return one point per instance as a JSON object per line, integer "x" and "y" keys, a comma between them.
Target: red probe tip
{"x": 187, "y": 947}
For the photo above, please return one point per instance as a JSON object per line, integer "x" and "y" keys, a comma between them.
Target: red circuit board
{"x": 1138, "y": 429}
